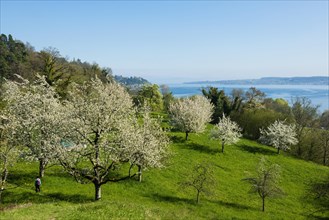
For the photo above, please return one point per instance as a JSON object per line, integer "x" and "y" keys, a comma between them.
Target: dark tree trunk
{"x": 325, "y": 153}
{"x": 98, "y": 194}
{"x": 42, "y": 167}
{"x": 140, "y": 173}
{"x": 299, "y": 151}
{"x": 3, "y": 182}
{"x": 263, "y": 198}
{"x": 198, "y": 197}
{"x": 223, "y": 143}
{"x": 278, "y": 150}
{"x": 186, "y": 136}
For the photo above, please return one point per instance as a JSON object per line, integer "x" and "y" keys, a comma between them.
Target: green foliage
{"x": 12, "y": 57}
{"x": 221, "y": 102}
{"x": 130, "y": 81}
{"x": 167, "y": 97}
{"x": 251, "y": 120}
{"x": 149, "y": 95}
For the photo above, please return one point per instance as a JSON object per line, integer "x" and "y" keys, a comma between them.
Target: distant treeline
{"x": 313, "y": 80}
{"x": 17, "y": 58}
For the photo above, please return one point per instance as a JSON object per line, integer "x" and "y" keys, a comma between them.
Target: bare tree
{"x": 304, "y": 114}
{"x": 201, "y": 179}
{"x": 265, "y": 184}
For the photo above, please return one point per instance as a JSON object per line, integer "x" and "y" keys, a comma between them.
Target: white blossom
{"x": 279, "y": 135}
{"x": 150, "y": 144}
{"x": 38, "y": 114}
{"x": 103, "y": 133}
{"x": 191, "y": 114}
{"x": 227, "y": 131}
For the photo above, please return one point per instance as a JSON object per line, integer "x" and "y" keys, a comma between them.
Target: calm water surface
{"x": 319, "y": 95}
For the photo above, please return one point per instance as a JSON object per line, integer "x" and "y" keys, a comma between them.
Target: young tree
{"x": 279, "y": 135}
{"x": 150, "y": 145}
{"x": 227, "y": 131}
{"x": 38, "y": 114}
{"x": 265, "y": 184}
{"x": 201, "y": 179}
{"x": 191, "y": 114}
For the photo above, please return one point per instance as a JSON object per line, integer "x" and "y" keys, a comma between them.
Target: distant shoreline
{"x": 313, "y": 80}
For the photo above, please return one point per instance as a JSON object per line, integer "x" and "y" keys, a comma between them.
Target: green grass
{"x": 159, "y": 195}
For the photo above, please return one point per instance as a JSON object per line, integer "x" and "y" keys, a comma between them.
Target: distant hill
{"x": 313, "y": 80}
{"x": 130, "y": 81}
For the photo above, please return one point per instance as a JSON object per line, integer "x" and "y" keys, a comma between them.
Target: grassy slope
{"x": 159, "y": 196}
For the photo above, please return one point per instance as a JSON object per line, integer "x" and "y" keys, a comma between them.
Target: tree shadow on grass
{"x": 233, "y": 205}
{"x": 39, "y": 198}
{"x": 171, "y": 199}
{"x": 75, "y": 198}
{"x": 201, "y": 148}
{"x": 177, "y": 139}
{"x": 19, "y": 179}
{"x": 256, "y": 150}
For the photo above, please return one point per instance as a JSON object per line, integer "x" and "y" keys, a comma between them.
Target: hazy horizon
{"x": 168, "y": 41}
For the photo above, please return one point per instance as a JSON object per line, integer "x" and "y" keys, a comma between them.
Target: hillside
{"x": 159, "y": 195}
{"x": 313, "y": 80}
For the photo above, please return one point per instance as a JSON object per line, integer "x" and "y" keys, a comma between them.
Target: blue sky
{"x": 175, "y": 41}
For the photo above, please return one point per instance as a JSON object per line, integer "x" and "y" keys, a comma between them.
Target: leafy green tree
{"x": 220, "y": 101}
{"x": 252, "y": 120}
{"x": 12, "y": 57}
{"x": 266, "y": 183}
{"x": 167, "y": 97}
{"x": 151, "y": 96}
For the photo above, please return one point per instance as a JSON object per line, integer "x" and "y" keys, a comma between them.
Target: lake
{"x": 318, "y": 94}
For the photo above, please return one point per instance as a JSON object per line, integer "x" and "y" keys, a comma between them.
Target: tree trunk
{"x": 223, "y": 143}
{"x": 97, "y": 191}
{"x": 278, "y": 150}
{"x": 263, "y": 198}
{"x": 3, "y": 182}
{"x": 42, "y": 167}
{"x": 325, "y": 153}
{"x": 186, "y": 136}
{"x": 140, "y": 173}
{"x": 198, "y": 197}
